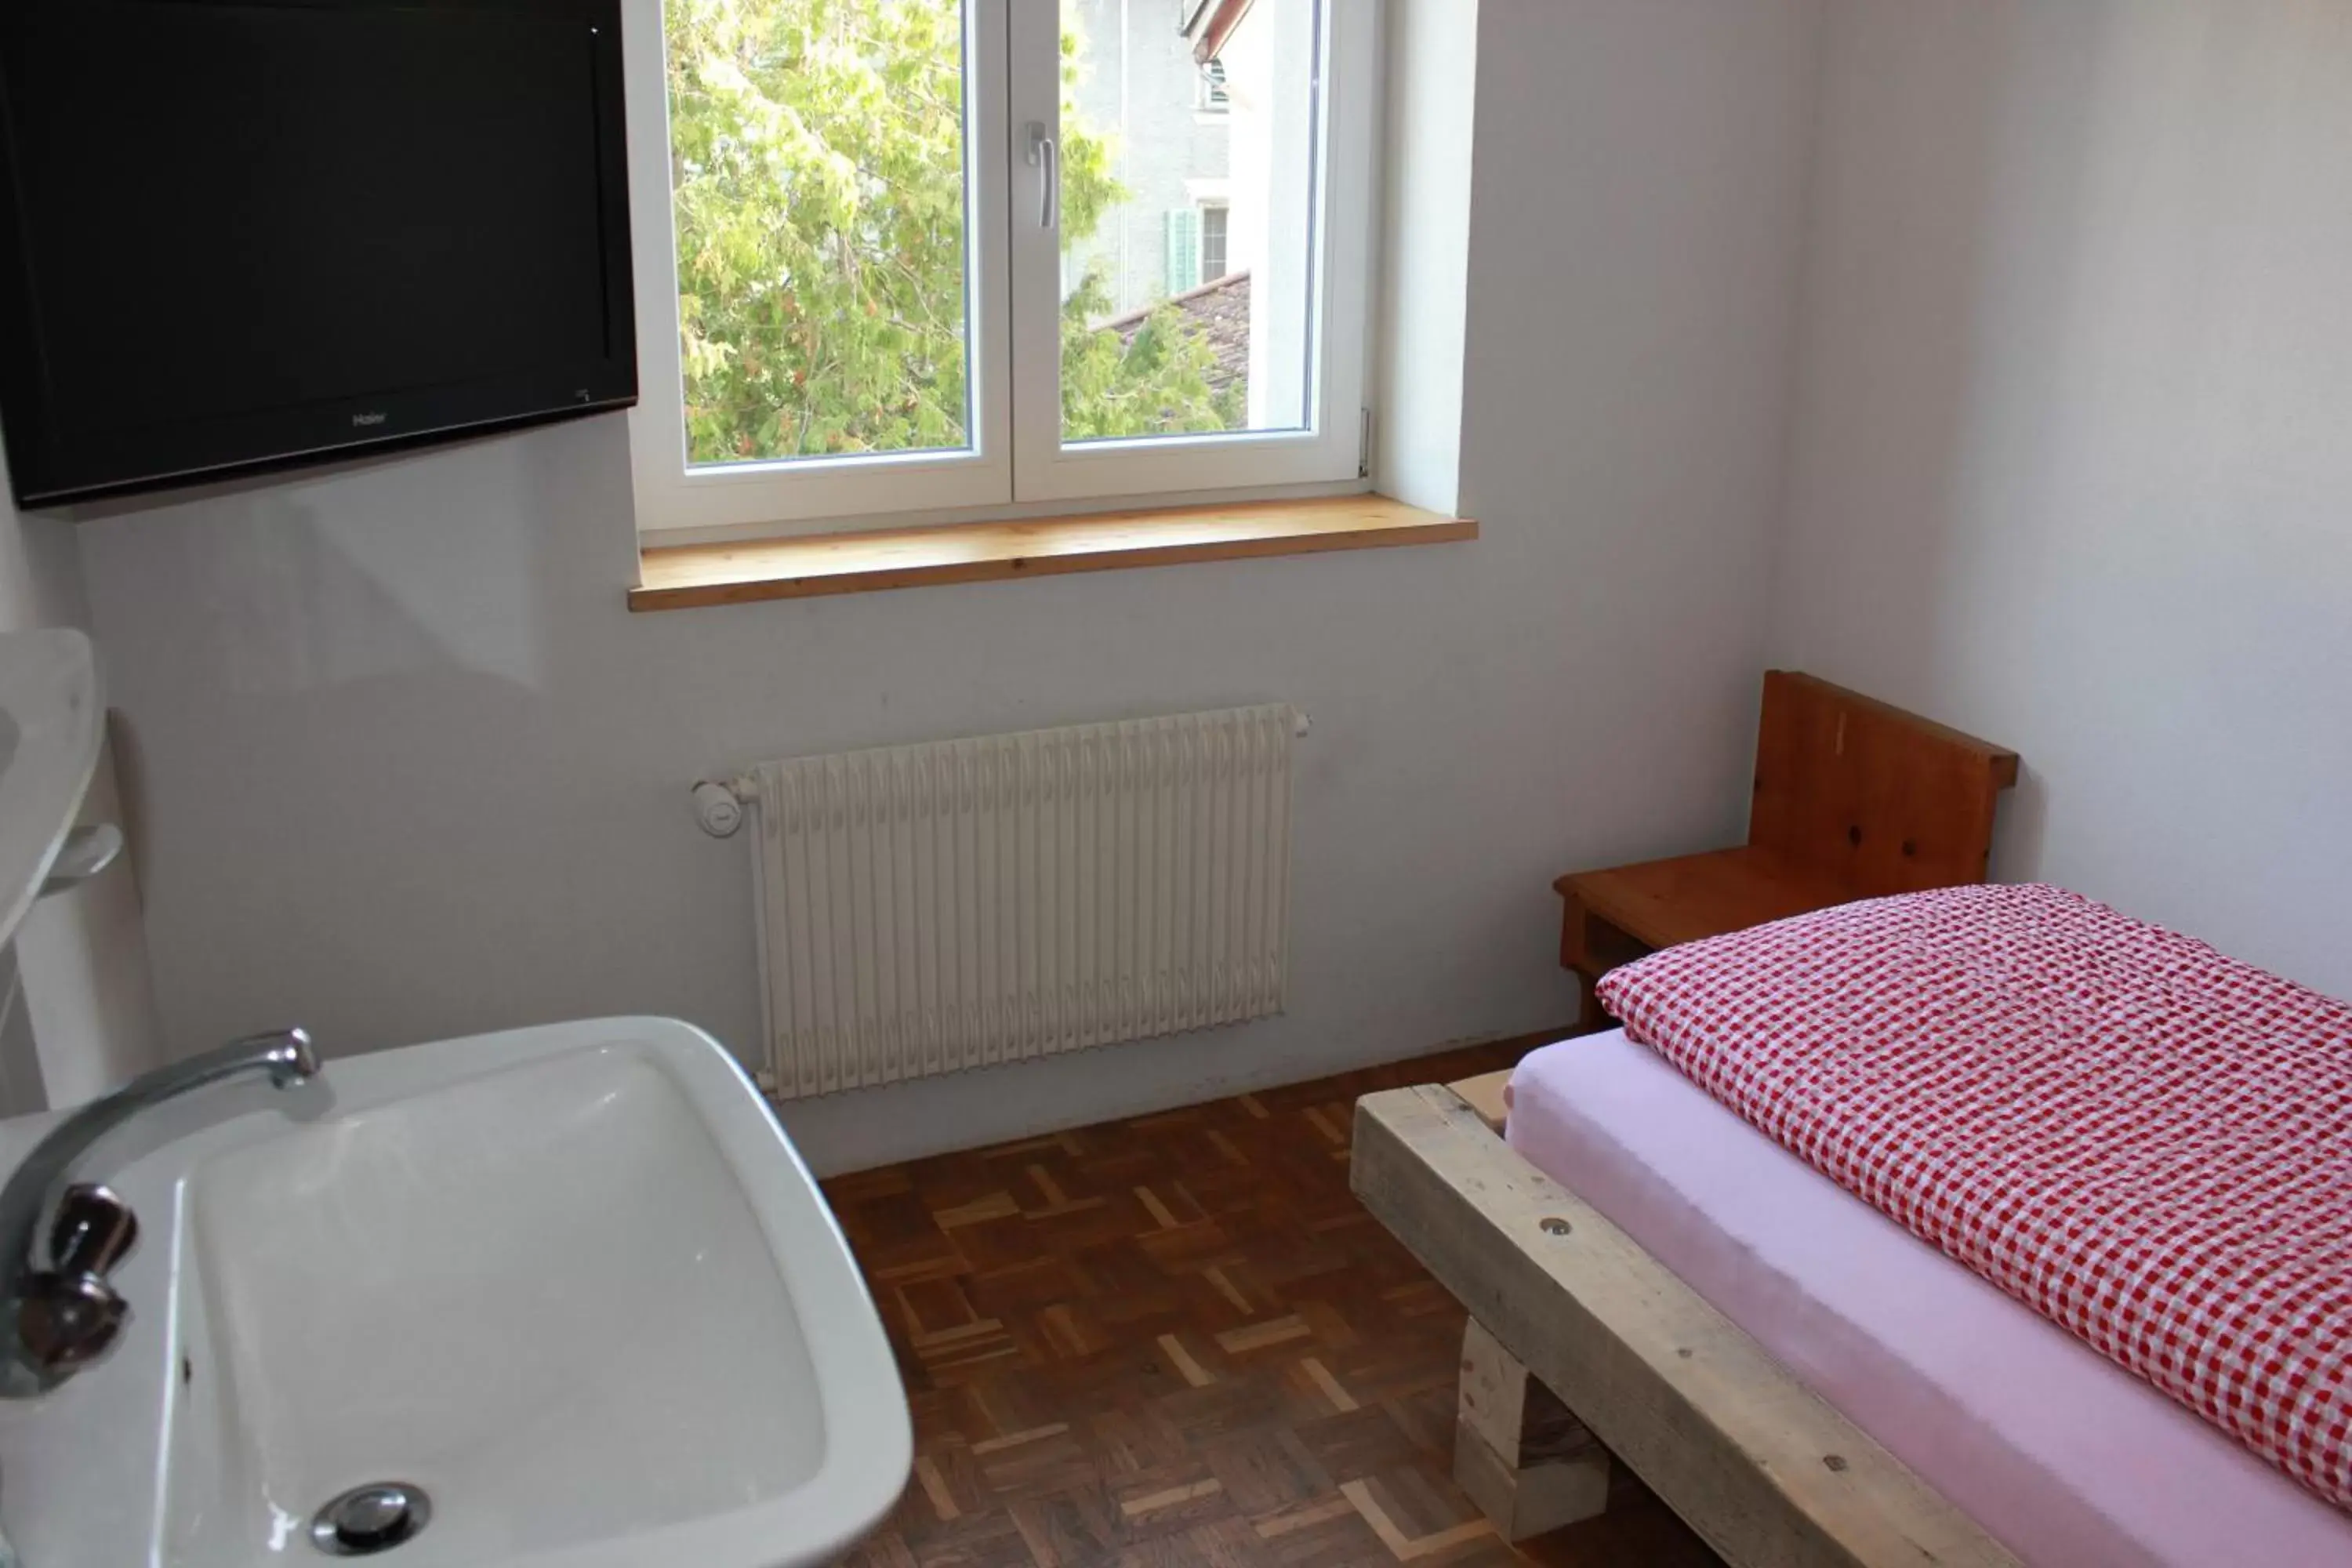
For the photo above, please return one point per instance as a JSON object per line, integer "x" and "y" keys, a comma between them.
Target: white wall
{"x": 409, "y": 768}
{"x": 2074, "y": 460}
{"x": 86, "y": 1019}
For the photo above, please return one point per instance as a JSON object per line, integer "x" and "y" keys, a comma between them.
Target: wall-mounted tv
{"x": 241, "y": 236}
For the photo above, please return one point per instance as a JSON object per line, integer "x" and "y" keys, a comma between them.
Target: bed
{"x": 2072, "y": 1458}
{"x": 1800, "y": 1377}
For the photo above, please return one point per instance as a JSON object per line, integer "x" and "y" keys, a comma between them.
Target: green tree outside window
{"x": 816, "y": 153}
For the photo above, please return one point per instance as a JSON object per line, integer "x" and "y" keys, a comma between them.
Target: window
{"x": 1213, "y": 243}
{"x": 1214, "y": 98}
{"x": 917, "y": 257}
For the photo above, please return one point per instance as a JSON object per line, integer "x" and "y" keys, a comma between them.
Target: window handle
{"x": 1045, "y": 157}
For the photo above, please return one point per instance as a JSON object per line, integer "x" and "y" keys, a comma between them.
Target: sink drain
{"x": 371, "y": 1519}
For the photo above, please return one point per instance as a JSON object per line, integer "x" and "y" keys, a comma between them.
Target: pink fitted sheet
{"x": 2070, "y": 1461}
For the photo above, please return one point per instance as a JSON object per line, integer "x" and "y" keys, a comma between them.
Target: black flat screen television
{"x": 245, "y": 235}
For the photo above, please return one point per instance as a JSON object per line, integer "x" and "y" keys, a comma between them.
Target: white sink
{"x": 573, "y": 1283}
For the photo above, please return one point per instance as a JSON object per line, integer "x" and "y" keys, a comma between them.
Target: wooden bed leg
{"x": 1528, "y": 1464}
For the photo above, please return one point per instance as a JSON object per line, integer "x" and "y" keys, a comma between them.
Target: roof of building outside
{"x": 1211, "y": 24}
{"x": 1221, "y": 307}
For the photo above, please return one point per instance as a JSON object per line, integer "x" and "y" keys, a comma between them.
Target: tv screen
{"x": 242, "y": 236}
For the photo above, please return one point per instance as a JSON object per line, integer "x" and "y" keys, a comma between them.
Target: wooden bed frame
{"x": 1561, "y": 1302}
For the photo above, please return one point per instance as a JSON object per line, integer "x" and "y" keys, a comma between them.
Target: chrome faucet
{"x": 59, "y": 1239}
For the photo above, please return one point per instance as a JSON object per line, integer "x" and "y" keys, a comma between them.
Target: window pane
{"x": 817, "y": 173}
{"x": 1189, "y": 212}
{"x": 1213, "y": 244}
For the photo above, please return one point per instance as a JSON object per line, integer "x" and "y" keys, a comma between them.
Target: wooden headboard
{"x": 1880, "y": 800}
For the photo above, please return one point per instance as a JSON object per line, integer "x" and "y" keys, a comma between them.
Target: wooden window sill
{"x": 684, "y": 577}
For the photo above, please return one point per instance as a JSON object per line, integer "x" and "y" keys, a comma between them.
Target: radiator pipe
{"x": 719, "y": 804}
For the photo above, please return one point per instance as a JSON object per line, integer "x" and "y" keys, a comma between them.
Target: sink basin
{"x": 572, "y": 1284}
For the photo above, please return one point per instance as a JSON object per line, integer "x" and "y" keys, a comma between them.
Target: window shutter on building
{"x": 1183, "y": 250}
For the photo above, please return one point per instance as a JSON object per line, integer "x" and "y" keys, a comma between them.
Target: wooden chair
{"x": 1854, "y": 799}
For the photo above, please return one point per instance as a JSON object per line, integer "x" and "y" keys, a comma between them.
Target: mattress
{"x": 2063, "y": 1455}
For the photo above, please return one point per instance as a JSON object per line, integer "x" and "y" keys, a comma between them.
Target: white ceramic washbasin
{"x": 572, "y": 1283}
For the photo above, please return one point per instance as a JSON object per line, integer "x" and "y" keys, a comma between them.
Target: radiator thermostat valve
{"x": 716, "y": 807}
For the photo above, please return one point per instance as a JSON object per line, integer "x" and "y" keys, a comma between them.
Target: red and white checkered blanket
{"x": 2140, "y": 1139}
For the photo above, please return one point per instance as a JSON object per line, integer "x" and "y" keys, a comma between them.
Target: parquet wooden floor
{"x": 1179, "y": 1340}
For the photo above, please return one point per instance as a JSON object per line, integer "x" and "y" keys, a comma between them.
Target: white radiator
{"x": 928, "y": 909}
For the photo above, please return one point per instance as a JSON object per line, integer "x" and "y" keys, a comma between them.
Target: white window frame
{"x": 1014, "y": 465}
{"x": 671, "y": 495}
